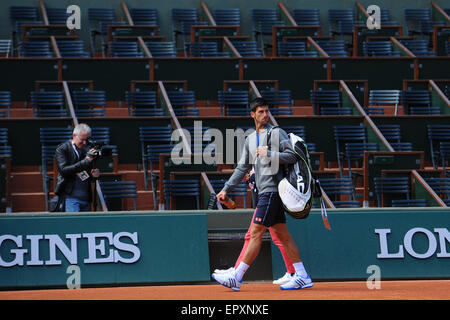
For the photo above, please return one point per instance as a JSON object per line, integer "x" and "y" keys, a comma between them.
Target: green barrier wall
{"x": 36, "y": 250}
{"x": 403, "y": 243}
{"x": 108, "y": 249}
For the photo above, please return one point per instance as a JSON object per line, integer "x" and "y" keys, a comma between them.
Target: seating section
{"x": 369, "y": 110}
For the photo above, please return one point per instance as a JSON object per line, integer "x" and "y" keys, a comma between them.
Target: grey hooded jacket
{"x": 267, "y": 169}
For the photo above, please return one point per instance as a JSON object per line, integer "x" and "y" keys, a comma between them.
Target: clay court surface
{"x": 390, "y": 290}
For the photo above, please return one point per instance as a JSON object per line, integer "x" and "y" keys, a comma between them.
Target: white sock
{"x": 241, "y": 270}
{"x": 300, "y": 269}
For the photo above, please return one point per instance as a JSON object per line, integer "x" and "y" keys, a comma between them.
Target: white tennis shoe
{"x": 297, "y": 282}
{"x": 220, "y": 271}
{"x": 284, "y": 279}
{"x": 228, "y": 279}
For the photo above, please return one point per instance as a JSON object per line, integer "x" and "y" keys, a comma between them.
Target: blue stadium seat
{"x": 409, "y": 203}
{"x": 48, "y": 104}
{"x": 328, "y": 102}
{"x": 160, "y": 135}
{"x": 144, "y": 16}
{"x": 50, "y": 138}
{"x": 334, "y": 48}
{"x": 183, "y": 103}
{"x": 125, "y": 49}
{"x": 227, "y": 17}
{"x": 379, "y": 49}
{"x": 384, "y": 98}
{"x": 57, "y": 16}
{"x": 143, "y": 104}
{"x": 392, "y": 133}
{"x": 162, "y": 48}
{"x": 307, "y": 17}
{"x": 247, "y": 48}
{"x": 5, "y": 103}
{"x": 437, "y": 134}
{"x": 391, "y": 186}
{"x": 347, "y": 134}
{"x": 414, "y": 17}
{"x": 234, "y": 102}
{"x": 89, "y": 103}
{"x": 97, "y": 27}
{"x": 337, "y": 187}
{"x": 35, "y": 49}
{"x": 72, "y": 49}
{"x": 280, "y": 101}
{"x": 418, "y": 102}
{"x": 119, "y": 189}
{"x": 182, "y": 188}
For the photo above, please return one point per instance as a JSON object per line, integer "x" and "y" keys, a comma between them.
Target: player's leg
{"x": 301, "y": 278}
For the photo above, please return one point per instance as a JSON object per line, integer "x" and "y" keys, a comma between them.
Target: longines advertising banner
{"x": 77, "y": 250}
{"x": 95, "y": 249}
{"x": 396, "y": 243}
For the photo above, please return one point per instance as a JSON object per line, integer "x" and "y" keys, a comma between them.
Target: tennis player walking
{"x": 269, "y": 208}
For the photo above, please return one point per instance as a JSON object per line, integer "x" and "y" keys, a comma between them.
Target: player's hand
{"x": 262, "y": 151}
{"x": 246, "y": 177}
{"x": 221, "y": 196}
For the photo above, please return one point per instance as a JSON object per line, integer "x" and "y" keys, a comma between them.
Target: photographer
{"x": 76, "y": 170}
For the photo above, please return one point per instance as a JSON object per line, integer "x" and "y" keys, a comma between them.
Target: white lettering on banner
{"x": 102, "y": 247}
{"x": 408, "y": 239}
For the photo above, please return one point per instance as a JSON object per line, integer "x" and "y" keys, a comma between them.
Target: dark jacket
{"x": 68, "y": 166}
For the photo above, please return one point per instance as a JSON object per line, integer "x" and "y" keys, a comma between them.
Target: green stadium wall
{"x": 36, "y": 250}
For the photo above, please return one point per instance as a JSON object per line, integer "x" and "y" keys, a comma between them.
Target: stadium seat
{"x": 247, "y": 48}
{"x": 119, "y": 189}
{"x": 125, "y": 49}
{"x": 57, "y": 16}
{"x": 35, "y": 49}
{"x": 50, "y": 138}
{"x": 162, "y": 48}
{"x": 379, "y": 49}
{"x": 418, "y": 102}
{"x": 337, "y": 187}
{"x": 291, "y": 49}
{"x": 392, "y": 133}
{"x": 183, "y": 102}
{"x": 227, "y": 17}
{"x": 5, "y": 48}
{"x": 280, "y": 101}
{"x": 307, "y": 17}
{"x": 347, "y": 134}
{"x": 154, "y": 136}
{"x": 234, "y": 102}
{"x": 354, "y": 151}
{"x": 391, "y": 186}
{"x": 48, "y": 104}
{"x": 436, "y": 135}
{"x": 89, "y": 103}
{"x": 184, "y": 189}
{"x": 72, "y": 49}
{"x": 144, "y": 16}
{"x": 413, "y": 18}
{"x": 143, "y": 104}
{"x": 97, "y": 27}
{"x": 444, "y": 150}
{"x": 409, "y": 203}
{"x": 334, "y": 48}
{"x": 418, "y": 47}
{"x": 441, "y": 186}
{"x": 182, "y": 21}
{"x": 384, "y": 98}
{"x": 5, "y": 104}
{"x": 328, "y": 102}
